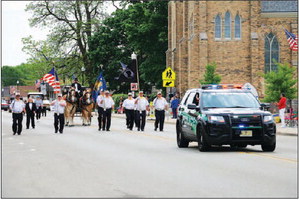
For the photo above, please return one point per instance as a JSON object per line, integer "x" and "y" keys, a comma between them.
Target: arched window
{"x": 237, "y": 27}
{"x": 218, "y": 27}
{"x": 227, "y": 26}
{"x": 271, "y": 52}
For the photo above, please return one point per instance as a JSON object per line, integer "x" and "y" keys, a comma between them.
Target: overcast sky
{"x": 15, "y": 26}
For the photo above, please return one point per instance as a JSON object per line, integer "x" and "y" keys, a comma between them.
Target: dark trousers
{"x": 38, "y": 112}
{"x": 107, "y": 119}
{"x": 44, "y": 111}
{"x": 140, "y": 116}
{"x": 160, "y": 116}
{"x": 100, "y": 116}
{"x": 130, "y": 118}
{"x": 174, "y": 113}
{"x": 17, "y": 119}
{"x": 30, "y": 117}
{"x": 58, "y": 122}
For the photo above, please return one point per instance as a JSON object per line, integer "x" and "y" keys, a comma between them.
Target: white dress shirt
{"x": 160, "y": 103}
{"x": 129, "y": 104}
{"x": 142, "y": 103}
{"x": 30, "y": 106}
{"x": 17, "y": 106}
{"x": 107, "y": 103}
{"x": 59, "y": 106}
{"x": 99, "y": 99}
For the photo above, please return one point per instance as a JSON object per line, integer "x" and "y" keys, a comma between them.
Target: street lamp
{"x": 17, "y": 85}
{"x": 134, "y": 57}
{"x": 83, "y": 70}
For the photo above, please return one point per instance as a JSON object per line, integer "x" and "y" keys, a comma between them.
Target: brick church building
{"x": 241, "y": 37}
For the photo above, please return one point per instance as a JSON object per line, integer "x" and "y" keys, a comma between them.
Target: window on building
{"x": 218, "y": 27}
{"x": 271, "y": 52}
{"x": 227, "y": 26}
{"x": 237, "y": 27}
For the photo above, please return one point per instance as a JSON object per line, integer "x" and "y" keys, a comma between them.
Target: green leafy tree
{"x": 280, "y": 81}
{"x": 71, "y": 24}
{"x": 140, "y": 27}
{"x": 210, "y": 77}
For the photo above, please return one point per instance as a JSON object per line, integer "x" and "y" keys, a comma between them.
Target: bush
{"x": 116, "y": 98}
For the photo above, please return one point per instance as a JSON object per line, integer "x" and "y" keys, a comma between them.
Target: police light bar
{"x": 221, "y": 86}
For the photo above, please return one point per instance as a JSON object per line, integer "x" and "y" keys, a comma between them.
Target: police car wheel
{"x": 269, "y": 148}
{"x": 181, "y": 140}
{"x": 202, "y": 144}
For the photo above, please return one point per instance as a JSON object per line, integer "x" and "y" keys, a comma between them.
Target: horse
{"x": 87, "y": 105}
{"x": 71, "y": 106}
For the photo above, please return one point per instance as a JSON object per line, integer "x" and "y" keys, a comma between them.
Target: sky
{"x": 15, "y": 26}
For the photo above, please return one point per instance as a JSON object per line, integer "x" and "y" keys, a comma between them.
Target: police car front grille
{"x": 246, "y": 120}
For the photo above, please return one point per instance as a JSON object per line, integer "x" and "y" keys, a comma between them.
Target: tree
{"x": 210, "y": 77}
{"x": 140, "y": 27}
{"x": 71, "y": 24}
{"x": 280, "y": 81}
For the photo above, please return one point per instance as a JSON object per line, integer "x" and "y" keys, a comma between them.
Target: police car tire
{"x": 269, "y": 147}
{"x": 202, "y": 144}
{"x": 181, "y": 140}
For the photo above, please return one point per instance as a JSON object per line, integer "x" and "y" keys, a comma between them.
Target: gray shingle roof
{"x": 279, "y": 6}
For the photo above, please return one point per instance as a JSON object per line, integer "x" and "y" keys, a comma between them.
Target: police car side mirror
{"x": 265, "y": 106}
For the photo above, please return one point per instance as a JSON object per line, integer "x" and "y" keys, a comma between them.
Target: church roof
{"x": 279, "y": 6}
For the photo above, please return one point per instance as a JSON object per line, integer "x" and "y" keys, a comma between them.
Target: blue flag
{"x": 99, "y": 85}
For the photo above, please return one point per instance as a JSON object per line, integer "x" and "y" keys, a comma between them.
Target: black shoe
{"x": 155, "y": 129}
{"x": 138, "y": 129}
{"x": 99, "y": 129}
{"x": 131, "y": 129}
{"x": 14, "y": 133}
{"x": 107, "y": 130}
{"x": 161, "y": 130}
{"x": 56, "y": 131}
{"x": 142, "y": 129}
{"x": 33, "y": 127}
{"x": 103, "y": 129}
{"x": 60, "y": 132}
{"x": 19, "y": 133}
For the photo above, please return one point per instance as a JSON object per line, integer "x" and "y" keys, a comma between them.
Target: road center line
{"x": 272, "y": 157}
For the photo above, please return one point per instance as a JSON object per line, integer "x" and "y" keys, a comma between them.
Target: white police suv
{"x": 224, "y": 114}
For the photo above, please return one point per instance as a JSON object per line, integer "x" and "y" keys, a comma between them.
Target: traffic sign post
{"x": 168, "y": 77}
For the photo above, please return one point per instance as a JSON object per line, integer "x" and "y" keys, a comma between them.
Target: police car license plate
{"x": 247, "y": 133}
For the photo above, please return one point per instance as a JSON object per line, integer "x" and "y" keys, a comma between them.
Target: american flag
{"x": 53, "y": 80}
{"x": 292, "y": 39}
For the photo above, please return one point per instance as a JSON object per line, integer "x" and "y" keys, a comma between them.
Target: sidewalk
{"x": 290, "y": 131}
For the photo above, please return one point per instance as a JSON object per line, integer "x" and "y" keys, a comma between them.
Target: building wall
{"x": 193, "y": 45}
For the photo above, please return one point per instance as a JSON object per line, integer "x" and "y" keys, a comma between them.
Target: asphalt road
{"x": 86, "y": 163}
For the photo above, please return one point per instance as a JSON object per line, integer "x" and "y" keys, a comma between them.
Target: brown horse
{"x": 71, "y": 106}
{"x": 87, "y": 105}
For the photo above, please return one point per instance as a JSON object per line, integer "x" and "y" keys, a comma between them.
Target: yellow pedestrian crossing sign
{"x": 168, "y": 74}
{"x": 168, "y": 83}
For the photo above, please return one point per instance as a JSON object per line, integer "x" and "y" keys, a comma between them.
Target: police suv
{"x": 224, "y": 115}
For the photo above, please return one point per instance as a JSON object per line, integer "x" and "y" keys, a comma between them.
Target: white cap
{"x": 159, "y": 93}
{"x": 129, "y": 94}
{"x": 107, "y": 91}
{"x": 59, "y": 95}
{"x": 18, "y": 94}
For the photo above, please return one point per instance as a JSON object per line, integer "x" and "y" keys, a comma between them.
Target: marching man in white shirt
{"x": 141, "y": 108}
{"x": 108, "y": 105}
{"x": 129, "y": 105}
{"x": 18, "y": 108}
{"x": 160, "y": 105}
{"x": 59, "y": 106}
{"x": 100, "y": 109}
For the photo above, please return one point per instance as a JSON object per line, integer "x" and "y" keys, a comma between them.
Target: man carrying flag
{"x": 292, "y": 39}
{"x": 99, "y": 86}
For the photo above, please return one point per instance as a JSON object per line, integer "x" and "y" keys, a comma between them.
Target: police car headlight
{"x": 268, "y": 118}
{"x": 219, "y": 119}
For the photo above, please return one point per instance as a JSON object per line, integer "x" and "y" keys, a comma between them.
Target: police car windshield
{"x": 229, "y": 100}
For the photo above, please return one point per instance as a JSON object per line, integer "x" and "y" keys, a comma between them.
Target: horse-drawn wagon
{"x": 78, "y": 104}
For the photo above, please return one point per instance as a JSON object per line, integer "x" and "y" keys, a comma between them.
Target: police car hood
{"x": 239, "y": 111}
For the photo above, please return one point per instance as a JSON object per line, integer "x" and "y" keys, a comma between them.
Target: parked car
{"x": 46, "y": 104}
{"x": 4, "y": 105}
